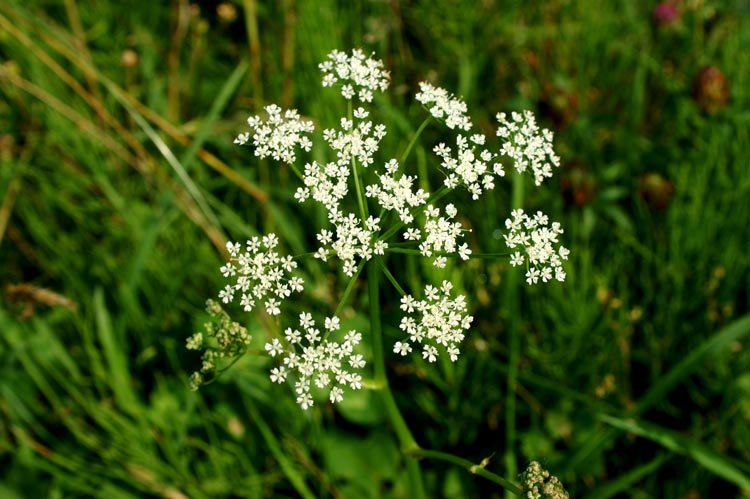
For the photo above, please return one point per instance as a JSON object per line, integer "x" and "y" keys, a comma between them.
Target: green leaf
{"x": 702, "y": 454}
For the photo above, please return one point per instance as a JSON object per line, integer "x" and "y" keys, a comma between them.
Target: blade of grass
{"x": 296, "y": 479}
{"x": 43, "y": 33}
{"x": 680, "y": 444}
{"x": 173, "y": 162}
{"x": 116, "y": 356}
{"x": 712, "y": 346}
{"x": 207, "y": 123}
{"x": 622, "y": 482}
{"x": 253, "y": 38}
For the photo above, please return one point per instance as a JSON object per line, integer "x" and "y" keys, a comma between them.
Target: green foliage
{"x": 119, "y": 184}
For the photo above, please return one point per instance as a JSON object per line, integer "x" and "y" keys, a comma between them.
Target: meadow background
{"x": 119, "y": 185}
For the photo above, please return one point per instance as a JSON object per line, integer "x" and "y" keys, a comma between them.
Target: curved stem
{"x": 512, "y": 301}
{"x": 475, "y": 469}
{"x": 405, "y": 438}
{"x": 416, "y": 136}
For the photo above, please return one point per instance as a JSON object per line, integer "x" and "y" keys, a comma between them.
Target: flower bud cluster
{"x": 278, "y": 135}
{"x": 360, "y": 75}
{"x": 316, "y": 360}
{"x": 261, "y": 275}
{"x": 538, "y": 484}
{"x": 537, "y": 240}
{"x": 440, "y": 321}
{"x": 222, "y": 339}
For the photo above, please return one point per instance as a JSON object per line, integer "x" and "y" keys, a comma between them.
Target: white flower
{"x": 311, "y": 359}
{"x": 440, "y": 321}
{"x": 539, "y": 242}
{"x": 526, "y": 145}
{"x": 470, "y": 167}
{"x": 274, "y": 348}
{"x": 396, "y": 193}
{"x": 332, "y": 323}
{"x": 444, "y": 106}
{"x": 278, "y": 374}
{"x": 336, "y": 395}
{"x": 292, "y": 335}
{"x": 430, "y": 353}
{"x": 359, "y": 75}
{"x": 440, "y": 235}
{"x": 305, "y": 400}
{"x": 260, "y": 275}
{"x": 402, "y": 348}
{"x": 278, "y": 135}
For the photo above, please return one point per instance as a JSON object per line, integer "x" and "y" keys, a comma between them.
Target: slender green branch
{"x": 405, "y": 438}
{"x": 414, "y": 139}
{"x": 397, "y": 226}
{"x": 391, "y": 278}
{"x": 475, "y": 469}
{"x": 363, "y": 212}
{"x": 273, "y": 444}
{"x": 512, "y": 301}
{"x": 349, "y": 288}
{"x": 358, "y": 188}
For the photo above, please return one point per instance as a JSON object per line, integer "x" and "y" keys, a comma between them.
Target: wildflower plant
{"x": 374, "y": 208}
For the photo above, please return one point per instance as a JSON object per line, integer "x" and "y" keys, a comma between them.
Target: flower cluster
{"x": 442, "y": 321}
{"x": 523, "y": 142}
{"x": 360, "y": 75}
{"x": 526, "y": 145}
{"x": 537, "y": 241}
{"x": 438, "y": 322}
{"x": 316, "y": 360}
{"x": 351, "y": 241}
{"x": 469, "y": 168}
{"x": 279, "y": 135}
{"x": 359, "y": 143}
{"x": 444, "y": 106}
{"x": 223, "y": 339}
{"x": 261, "y": 274}
{"x": 396, "y": 193}
{"x": 439, "y": 236}
{"x": 538, "y": 484}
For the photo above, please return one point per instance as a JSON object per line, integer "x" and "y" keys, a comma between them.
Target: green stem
{"x": 363, "y": 212}
{"x": 273, "y": 444}
{"x": 414, "y": 139}
{"x": 397, "y": 226}
{"x": 475, "y": 469}
{"x": 405, "y": 438}
{"x": 391, "y": 278}
{"x": 512, "y": 302}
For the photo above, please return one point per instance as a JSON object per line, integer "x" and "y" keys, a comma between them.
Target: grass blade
{"x": 706, "y": 457}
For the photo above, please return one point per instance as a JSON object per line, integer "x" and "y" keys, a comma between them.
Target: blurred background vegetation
{"x": 119, "y": 184}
